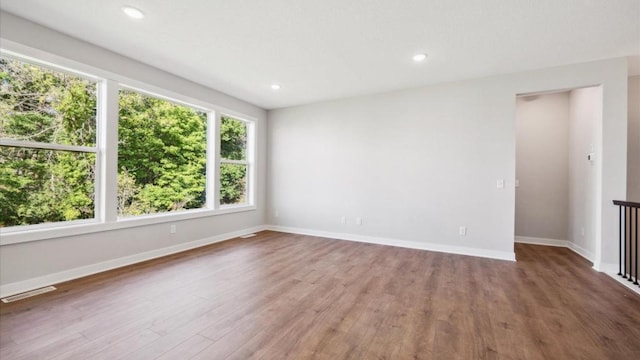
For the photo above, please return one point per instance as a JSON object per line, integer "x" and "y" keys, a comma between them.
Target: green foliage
{"x": 161, "y": 150}
{"x": 233, "y": 139}
{"x": 233, "y": 179}
{"x": 37, "y": 104}
{"x": 161, "y": 155}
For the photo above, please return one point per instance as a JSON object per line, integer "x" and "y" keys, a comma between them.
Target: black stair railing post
{"x": 624, "y": 251}
{"x": 636, "y": 223}
{"x": 630, "y": 244}
{"x": 628, "y": 227}
{"x": 620, "y": 242}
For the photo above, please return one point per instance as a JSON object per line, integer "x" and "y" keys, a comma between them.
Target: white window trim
{"x": 249, "y": 162}
{"x": 25, "y": 144}
{"x": 214, "y": 186}
{"x": 47, "y": 146}
{"x": 106, "y": 219}
{"x": 209, "y": 153}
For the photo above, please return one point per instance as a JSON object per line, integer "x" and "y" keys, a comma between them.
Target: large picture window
{"x": 162, "y": 155}
{"x": 77, "y": 147}
{"x": 47, "y": 145}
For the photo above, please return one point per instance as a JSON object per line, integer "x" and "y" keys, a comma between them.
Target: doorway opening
{"x": 558, "y": 151}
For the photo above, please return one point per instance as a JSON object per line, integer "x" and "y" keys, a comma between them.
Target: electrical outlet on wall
{"x": 462, "y": 231}
{"x": 358, "y": 221}
{"x": 172, "y": 229}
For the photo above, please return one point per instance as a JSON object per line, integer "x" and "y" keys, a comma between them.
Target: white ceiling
{"x": 327, "y": 49}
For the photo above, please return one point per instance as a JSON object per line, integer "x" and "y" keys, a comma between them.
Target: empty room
{"x": 361, "y": 179}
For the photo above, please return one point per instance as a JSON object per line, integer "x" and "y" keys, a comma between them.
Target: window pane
{"x": 38, "y": 104}
{"x": 40, "y": 186}
{"x": 233, "y": 139}
{"x": 161, "y": 156}
{"x": 233, "y": 184}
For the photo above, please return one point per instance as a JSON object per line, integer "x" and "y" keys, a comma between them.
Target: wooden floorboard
{"x": 283, "y": 296}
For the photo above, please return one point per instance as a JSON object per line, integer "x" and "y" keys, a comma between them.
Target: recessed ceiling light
{"x": 419, "y": 57}
{"x": 133, "y": 12}
{"x": 275, "y": 87}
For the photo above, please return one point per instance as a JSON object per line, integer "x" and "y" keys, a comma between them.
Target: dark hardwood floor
{"x": 282, "y": 296}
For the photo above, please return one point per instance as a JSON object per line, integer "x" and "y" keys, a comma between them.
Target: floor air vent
{"x": 28, "y": 294}
{"x": 247, "y": 236}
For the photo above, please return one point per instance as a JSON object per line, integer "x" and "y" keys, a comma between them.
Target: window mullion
{"x": 108, "y": 151}
{"x": 238, "y": 162}
{"x": 46, "y": 146}
{"x": 251, "y": 160}
{"x": 215, "y": 140}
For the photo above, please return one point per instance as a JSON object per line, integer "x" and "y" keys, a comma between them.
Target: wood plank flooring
{"x": 283, "y": 296}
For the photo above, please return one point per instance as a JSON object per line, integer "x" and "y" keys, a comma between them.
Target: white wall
{"x": 416, "y": 164}
{"x": 633, "y": 175}
{"x": 401, "y": 161}
{"x": 584, "y": 116}
{"x": 542, "y": 166}
{"x": 29, "y": 264}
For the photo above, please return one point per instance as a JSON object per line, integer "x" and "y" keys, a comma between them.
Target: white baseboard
{"x": 541, "y": 241}
{"x": 556, "y": 242}
{"x": 459, "y": 250}
{"x": 580, "y": 251}
{"x": 46, "y": 280}
{"x": 623, "y": 281}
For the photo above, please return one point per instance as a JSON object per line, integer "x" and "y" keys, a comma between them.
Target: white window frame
{"x": 97, "y": 184}
{"x": 210, "y": 152}
{"x": 248, "y": 162}
{"x": 106, "y": 153}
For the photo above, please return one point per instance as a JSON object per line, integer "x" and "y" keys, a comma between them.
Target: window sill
{"x": 81, "y": 227}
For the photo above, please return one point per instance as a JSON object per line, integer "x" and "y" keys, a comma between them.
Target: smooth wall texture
{"x": 542, "y": 166}
{"x": 585, "y": 115}
{"x": 25, "y": 261}
{"x": 413, "y": 165}
{"x": 633, "y": 175}
{"x": 417, "y": 164}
